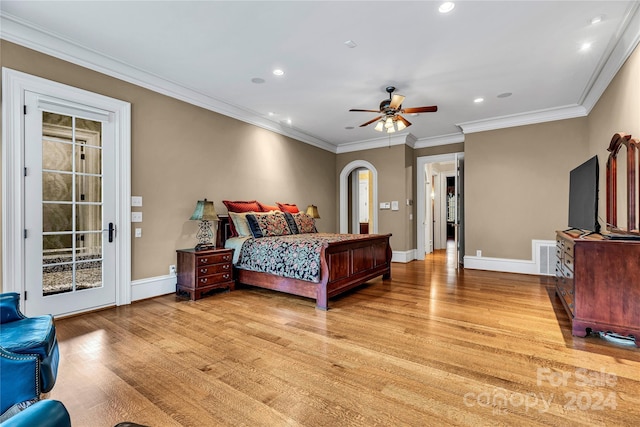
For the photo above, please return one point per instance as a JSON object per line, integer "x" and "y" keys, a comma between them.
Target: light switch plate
{"x": 138, "y": 232}
{"x": 136, "y": 200}
{"x": 394, "y": 205}
{"x": 136, "y": 216}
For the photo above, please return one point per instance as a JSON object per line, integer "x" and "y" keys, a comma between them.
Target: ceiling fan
{"x": 390, "y": 109}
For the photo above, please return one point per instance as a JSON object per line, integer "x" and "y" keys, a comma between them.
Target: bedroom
{"x": 190, "y": 162}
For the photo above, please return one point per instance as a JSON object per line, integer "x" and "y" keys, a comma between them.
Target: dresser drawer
{"x": 210, "y": 259}
{"x": 213, "y": 279}
{"x": 206, "y": 270}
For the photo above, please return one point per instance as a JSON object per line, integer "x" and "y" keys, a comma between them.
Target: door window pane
{"x": 71, "y": 204}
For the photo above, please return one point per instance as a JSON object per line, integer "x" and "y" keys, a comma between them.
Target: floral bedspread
{"x": 296, "y": 256}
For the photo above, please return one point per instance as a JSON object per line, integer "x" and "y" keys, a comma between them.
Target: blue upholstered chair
{"x": 44, "y": 413}
{"x": 29, "y": 354}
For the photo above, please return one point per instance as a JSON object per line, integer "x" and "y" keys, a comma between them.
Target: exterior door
{"x": 69, "y": 207}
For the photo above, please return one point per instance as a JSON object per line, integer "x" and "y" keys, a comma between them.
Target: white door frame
{"x": 421, "y": 196}
{"x": 14, "y": 84}
{"x": 344, "y": 194}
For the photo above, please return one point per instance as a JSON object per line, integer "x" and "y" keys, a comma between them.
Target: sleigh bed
{"x": 345, "y": 261}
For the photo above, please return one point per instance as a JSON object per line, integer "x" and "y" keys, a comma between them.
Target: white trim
{"x": 421, "y": 197}
{"x": 383, "y": 142}
{"x": 344, "y": 193}
{"x": 509, "y": 265}
{"x": 530, "y": 118}
{"x": 435, "y": 141}
{"x": 403, "y": 256}
{"x": 14, "y": 84}
{"x": 153, "y": 287}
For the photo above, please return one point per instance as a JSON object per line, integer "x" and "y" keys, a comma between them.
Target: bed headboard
{"x": 224, "y": 230}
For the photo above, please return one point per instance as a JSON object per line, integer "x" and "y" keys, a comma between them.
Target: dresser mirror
{"x": 623, "y": 185}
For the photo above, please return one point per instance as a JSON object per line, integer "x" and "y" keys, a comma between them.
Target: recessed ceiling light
{"x": 505, "y": 95}
{"x": 446, "y": 7}
{"x": 278, "y": 72}
{"x": 350, "y": 43}
{"x": 257, "y": 80}
{"x": 478, "y": 100}
{"x": 596, "y": 19}
{"x": 585, "y": 46}
{"x": 348, "y": 127}
{"x": 271, "y": 113}
{"x": 289, "y": 121}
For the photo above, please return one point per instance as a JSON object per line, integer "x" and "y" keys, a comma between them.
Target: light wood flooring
{"x": 433, "y": 346}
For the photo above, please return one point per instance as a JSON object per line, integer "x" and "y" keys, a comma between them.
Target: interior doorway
{"x": 439, "y": 204}
{"x": 356, "y": 178}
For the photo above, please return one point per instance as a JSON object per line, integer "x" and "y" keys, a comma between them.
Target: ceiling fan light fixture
{"x": 388, "y": 123}
{"x": 380, "y": 126}
{"x": 392, "y": 129}
{"x": 400, "y": 125}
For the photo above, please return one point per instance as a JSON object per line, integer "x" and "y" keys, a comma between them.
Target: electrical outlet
{"x": 478, "y": 253}
{"x": 172, "y": 269}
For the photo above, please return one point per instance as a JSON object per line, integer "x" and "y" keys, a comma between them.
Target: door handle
{"x": 112, "y": 232}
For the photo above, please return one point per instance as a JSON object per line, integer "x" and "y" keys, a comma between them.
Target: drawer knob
{"x": 204, "y": 280}
{"x": 203, "y": 270}
{"x": 204, "y": 260}
{"x": 226, "y": 266}
{"x": 226, "y": 276}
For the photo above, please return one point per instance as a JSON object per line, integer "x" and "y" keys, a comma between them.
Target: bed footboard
{"x": 344, "y": 265}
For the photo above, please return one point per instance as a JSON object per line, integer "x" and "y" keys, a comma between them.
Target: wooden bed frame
{"x": 344, "y": 265}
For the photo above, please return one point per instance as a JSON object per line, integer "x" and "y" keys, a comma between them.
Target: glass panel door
{"x": 69, "y": 206}
{"x": 71, "y": 203}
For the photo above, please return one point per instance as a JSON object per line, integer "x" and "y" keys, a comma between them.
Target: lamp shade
{"x": 204, "y": 211}
{"x": 312, "y": 211}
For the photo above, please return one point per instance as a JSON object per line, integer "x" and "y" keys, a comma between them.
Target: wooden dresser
{"x": 199, "y": 272}
{"x": 598, "y": 282}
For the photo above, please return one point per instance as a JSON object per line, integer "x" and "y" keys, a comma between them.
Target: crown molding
{"x": 18, "y": 31}
{"x": 384, "y": 142}
{"x": 626, "y": 42}
{"x": 540, "y": 116}
{"x": 452, "y": 138}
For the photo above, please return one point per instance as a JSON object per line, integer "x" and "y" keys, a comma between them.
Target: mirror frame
{"x": 631, "y": 145}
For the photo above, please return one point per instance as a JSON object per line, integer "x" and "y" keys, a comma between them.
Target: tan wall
{"x": 517, "y": 183}
{"x": 617, "y": 110}
{"x": 182, "y": 153}
{"x": 390, "y": 164}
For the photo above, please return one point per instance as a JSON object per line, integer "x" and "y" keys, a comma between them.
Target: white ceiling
{"x": 208, "y": 52}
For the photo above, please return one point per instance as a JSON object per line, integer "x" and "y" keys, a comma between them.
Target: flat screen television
{"x": 583, "y": 196}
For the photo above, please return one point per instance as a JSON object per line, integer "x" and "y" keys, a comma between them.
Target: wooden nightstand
{"x": 199, "y": 272}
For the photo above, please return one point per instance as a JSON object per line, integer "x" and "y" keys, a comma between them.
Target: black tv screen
{"x": 583, "y": 196}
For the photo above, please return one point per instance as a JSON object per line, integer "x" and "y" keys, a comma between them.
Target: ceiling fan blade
{"x": 406, "y": 122}
{"x": 431, "y": 109}
{"x": 365, "y": 111}
{"x": 396, "y": 101}
{"x": 370, "y": 121}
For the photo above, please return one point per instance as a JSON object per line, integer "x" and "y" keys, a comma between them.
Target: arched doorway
{"x": 345, "y": 182}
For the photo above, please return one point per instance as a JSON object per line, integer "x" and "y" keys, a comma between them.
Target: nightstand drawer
{"x": 213, "y": 279}
{"x": 213, "y": 259}
{"x": 205, "y": 270}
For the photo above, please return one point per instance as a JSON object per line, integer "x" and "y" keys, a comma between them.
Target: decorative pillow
{"x": 305, "y": 223}
{"x": 241, "y": 223}
{"x": 291, "y": 223}
{"x": 240, "y": 206}
{"x": 268, "y": 224}
{"x": 267, "y": 208}
{"x": 288, "y": 207}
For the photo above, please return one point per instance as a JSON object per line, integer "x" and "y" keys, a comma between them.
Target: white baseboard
{"x": 522, "y": 266}
{"x": 500, "y": 264}
{"x": 403, "y": 256}
{"x": 153, "y": 287}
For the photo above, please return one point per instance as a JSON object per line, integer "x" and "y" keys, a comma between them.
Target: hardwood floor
{"x": 431, "y": 347}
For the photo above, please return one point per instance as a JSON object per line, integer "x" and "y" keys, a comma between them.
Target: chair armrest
{"x": 45, "y": 413}
{"x": 19, "y": 378}
{"x": 10, "y": 307}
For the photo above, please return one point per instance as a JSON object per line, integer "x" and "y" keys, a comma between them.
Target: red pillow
{"x": 267, "y": 208}
{"x": 240, "y": 206}
{"x": 288, "y": 207}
